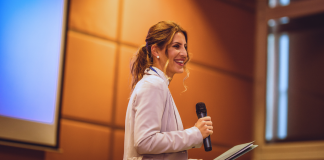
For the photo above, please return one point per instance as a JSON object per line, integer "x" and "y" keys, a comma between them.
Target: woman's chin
{"x": 179, "y": 71}
{"x": 176, "y": 71}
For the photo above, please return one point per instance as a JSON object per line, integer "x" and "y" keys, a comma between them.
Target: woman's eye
{"x": 176, "y": 46}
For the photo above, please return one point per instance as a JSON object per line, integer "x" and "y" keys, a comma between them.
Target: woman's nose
{"x": 183, "y": 53}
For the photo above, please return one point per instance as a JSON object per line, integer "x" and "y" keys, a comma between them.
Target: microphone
{"x": 202, "y": 112}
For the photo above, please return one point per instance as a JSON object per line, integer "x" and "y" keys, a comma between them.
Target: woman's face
{"x": 177, "y": 52}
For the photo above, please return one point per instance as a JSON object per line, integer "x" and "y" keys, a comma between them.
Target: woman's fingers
{"x": 205, "y": 126}
{"x": 209, "y": 123}
{"x": 210, "y": 132}
{"x": 207, "y": 118}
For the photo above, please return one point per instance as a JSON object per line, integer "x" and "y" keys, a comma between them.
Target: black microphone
{"x": 202, "y": 112}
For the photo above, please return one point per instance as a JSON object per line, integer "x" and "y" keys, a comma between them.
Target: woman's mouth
{"x": 179, "y": 62}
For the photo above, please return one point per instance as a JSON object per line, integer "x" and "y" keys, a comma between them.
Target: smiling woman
{"x": 173, "y": 57}
{"x": 153, "y": 127}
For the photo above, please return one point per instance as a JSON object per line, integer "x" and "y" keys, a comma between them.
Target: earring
{"x": 158, "y": 57}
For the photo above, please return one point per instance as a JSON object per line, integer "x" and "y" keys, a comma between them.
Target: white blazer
{"x": 153, "y": 127}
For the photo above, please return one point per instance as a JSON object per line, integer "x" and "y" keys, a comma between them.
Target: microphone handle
{"x": 207, "y": 143}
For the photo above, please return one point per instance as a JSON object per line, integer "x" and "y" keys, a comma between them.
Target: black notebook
{"x": 236, "y": 151}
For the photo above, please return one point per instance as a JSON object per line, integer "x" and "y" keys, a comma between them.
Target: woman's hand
{"x": 205, "y": 126}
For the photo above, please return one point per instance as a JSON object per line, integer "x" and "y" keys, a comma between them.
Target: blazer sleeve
{"x": 149, "y": 108}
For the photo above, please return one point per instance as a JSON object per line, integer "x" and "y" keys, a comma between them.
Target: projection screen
{"x": 32, "y": 46}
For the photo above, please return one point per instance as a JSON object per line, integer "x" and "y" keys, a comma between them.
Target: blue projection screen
{"x": 32, "y": 40}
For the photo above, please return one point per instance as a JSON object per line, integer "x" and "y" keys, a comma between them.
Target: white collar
{"x": 159, "y": 73}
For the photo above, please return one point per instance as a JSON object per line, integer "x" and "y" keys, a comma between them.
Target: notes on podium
{"x": 236, "y": 151}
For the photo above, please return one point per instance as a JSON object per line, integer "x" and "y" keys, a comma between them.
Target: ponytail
{"x": 141, "y": 61}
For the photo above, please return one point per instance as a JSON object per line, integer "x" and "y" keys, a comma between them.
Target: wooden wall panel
{"x": 82, "y": 141}
{"x": 220, "y": 35}
{"x": 124, "y": 83}
{"x": 88, "y": 82}
{"x": 148, "y": 13}
{"x": 118, "y": 150}
{"x": 228, "y": 101}
{"x": 97, "y": 17}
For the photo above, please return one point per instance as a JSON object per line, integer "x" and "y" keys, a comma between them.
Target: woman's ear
{"x": 154, "y": 50}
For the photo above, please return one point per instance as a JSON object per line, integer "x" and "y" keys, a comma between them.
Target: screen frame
{"x": 60, "y": 85}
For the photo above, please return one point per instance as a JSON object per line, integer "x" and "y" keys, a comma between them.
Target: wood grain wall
{"x": 102, "y": 37}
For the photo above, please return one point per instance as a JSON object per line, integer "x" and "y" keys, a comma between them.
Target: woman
{"x": 153, "y": 127}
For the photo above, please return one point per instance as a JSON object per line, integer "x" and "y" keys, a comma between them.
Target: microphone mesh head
{"x": 201, "y": 107}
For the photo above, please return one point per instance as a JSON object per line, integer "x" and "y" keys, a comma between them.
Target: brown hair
{"x": 160, "y": 34}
